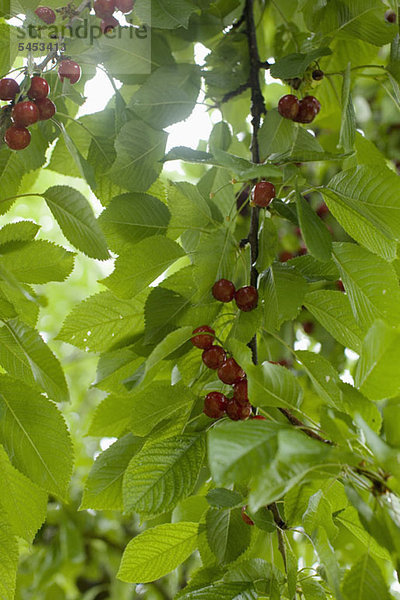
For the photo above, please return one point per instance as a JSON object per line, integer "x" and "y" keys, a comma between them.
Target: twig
{"x": 242, "y": 88}
{"x": 297, "y": 423}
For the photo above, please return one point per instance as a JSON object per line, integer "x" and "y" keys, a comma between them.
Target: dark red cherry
{"x": 262, "y": 194}
{"x": 288, "y": 106}
{"x": 46, "y": 14}
{"x": 240, "y": 392}
{"x": 284, "y": 256}
{"x": 322, "y": 210}
{"x": 246, "y": 517}
{"x": 125, "y": 6}
{"x": 230, "y": 372}
{"x": 215, "y": 404}
{"x": 258, "y": 417}
{"x": 17, "y": 138}
{"x": 339, "y": 285}
{"x": 214, "y": 357}
{"x": 309, "y": 108}
{"x": 200, "y": 338}
{"x": 39, "y": 88}
{"x": 25, "y": 113}
{"x": 47, "y": 109}
{"x": 390, "y": 16}
{"x": 108, "y": 24}
{"x": 238, "y": 412}
{"x": 308, "y": 327}
{"x": 104, "y": 8}
{"x": 246, "y": 298}
{"x": 223, "y": 290}
{"x": 69, "y": 69}
{"x": 9, "y": 88}
{"x": 317, "y": 74}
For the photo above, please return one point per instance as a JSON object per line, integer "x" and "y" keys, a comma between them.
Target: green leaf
{"x": 85, "y": 169}
{"x": 366, "y": 202}
{"x": 276, "y": 135}
{"x": 283, "y": 291}
{"x": 328, "y": 558}
{"x": 165, "y": 14}
{"x": 37, "y": 262}
{"x": 349, "y": 518}
{"x": 103, "y": 488}
{"x": 267, "y": 244}
{"x": 163, "y": 473}
{"x": 25, "y": 355}
{"x": 142, "y": 263}
{"x": 168, "y": 96}
{"x": 365, "y": 580}
{"x": 102, "y": 321}
{"x": 312, "y": 590}
{"x": 377, "y": 375}
{"x": 113, "y": 416}
{"x": 371, "y": 284}
{"x": 215, "y": 258}
{"x": 348, "y": 125}
{"x": 227, "y": 534}
{"x": 189, "y": 210}
{"x": 294, "y": 65}
{"x": 223, "y": 591}
{"x": 140, "y": 149}
{"x": 158, "y": 551}
{"x": 220, "y": 136}
{"x": 132, "y": 217}
{"x": 8, "y": 559}
{"x": 223, "y": 498}
{"x": 273, "y": 385}
{"x": 316, "y": 236}
{"x": 333, "y": 310}
{"x": 324, "y": 377}
{"x": 319, "y": 513}
{"x": 75, "y": 217}
{"x": 34, "y": 435}
{"x": 22, "y": 231}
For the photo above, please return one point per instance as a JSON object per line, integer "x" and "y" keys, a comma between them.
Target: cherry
{"x": 69, "y": 69}
{"x": 202, "y": 340}
{"x": 262, "y": 194}
{"x": 104, "y": 8}
{"x": 339, "y": 285}
{"x": 17, "y": 138}
{"x": 322, "y": 210}
{"x": 308, "y": 327}
{"x": 223, "y": 290}
{"x": 390, "y": 16}
{"x": 246, "y": 298}
{"x": 215, "y": 404}
{"x": 246, "y": 517}
{"x": 285, "y": 256}
{"x": 108, "y": 24}
{"x": 124, "y": 6}
{"x": 258, "y": 417}
{"x": 47, "y": 109}
{"x": 302, "y": 250}
{"x": 46, "y": 14}
{"x": 238, "y": 412}
{"x": 39, "y": 88}
{"x": 25, "y": 113}
{"x": 9, "y": 88}
{"x": 309, "y": 108}
{"x": 317, "y": 74}
{"x": 288, "y": 106}
{"x": 230, "y": 372}
{"x": 240, "y": 392}
{"x": 214, "y": 357}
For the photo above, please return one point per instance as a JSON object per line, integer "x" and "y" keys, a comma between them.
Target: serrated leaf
{"x": 158, "y": 551}
{"x": 31, "y": 428}
{"x": 223, "y": 498}
{"x": 276, "y": 134}
{"x": 365, "y": 581}
{"x": 85, "y": 169}
{"x": 312, "y": 590}
{"x": 316, "y": 236}
{"x": 348, "y": 124}
{"x": 294, "y": 65}
{"x": 223, "y": 591}
{"x": 323, "y": 375}
{"x": 371, "y": 284}
{"x": 228, "y": 535}
{"x": 142, "y": 263}
{"x": 283, "y": 291}
{"x": 349, "y": 518}
{"x": 319, "y": 513}
{"x": 273, "y": 385}
{"x": 112, "y": 417}
{"x": 75, "y": 217}
{"x": 38, "y": 261}
{"x": 21, "y": 231}
{"x": 189, "y": 210}
{"x": 8, "y": 559}
{"x": 103, "y": 488}
{"x": 163, "y": 473}
{"x": 25, "y": 355}
{"x": 165, "y": 14}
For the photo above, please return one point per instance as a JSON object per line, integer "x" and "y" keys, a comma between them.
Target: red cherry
{"x": 69, "y": 69}
{"x": 246, "y": 517}
{"x": 125, "y": 6}
{"x": 223, "y": 290}
{"x": 17, "y": 138}
{"x": 285, "y": 256}
{"x": 262, "y": 194}
{"x": 230, "y": 372}
{"x": 288, "y": 106}
{"x": 39, "y": 88}
{"x": 258, "y": 417}
{"x": 104, "y": 8}
{"x": 202, "y": 340}
{"x": 390, "y": 16}
{"x": 317, "y": 74}
{"x": 9, "y": 88}
{"x": 302, "y": 250}
{"x": 215, "y": 404}
{"x": 246, "y": 298}
{"x": 240, "y": 392}
{"x": 25, "y": 113}
{"x": 47, "y": 109}
{"x": 238, "y": 412}
{"x": 308, "y": 327}
{"x": 46, "y": 14}
{"x": 108, "y": 24}
{"x": 322, "y": 210}
{"x": 309, "y": 108}
{"x": 214, "y": 357}
{"x": 340, "y": 286}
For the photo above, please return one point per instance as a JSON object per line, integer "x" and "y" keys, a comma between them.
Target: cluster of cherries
{"x": 300, "y": 111}
{"x": 104, "y": 9}
{"x": 246, "y": 297}
{"x": 38, "y": 107}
